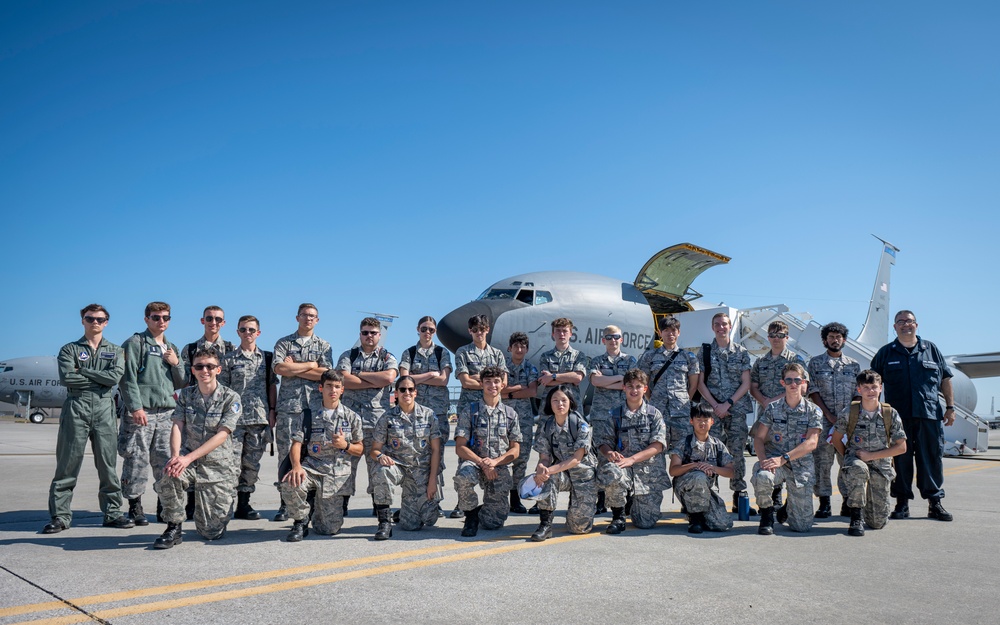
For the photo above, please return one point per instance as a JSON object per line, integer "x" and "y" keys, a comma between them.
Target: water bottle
{"x": 743, "y": 505}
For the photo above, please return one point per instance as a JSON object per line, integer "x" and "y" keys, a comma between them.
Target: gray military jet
{"x": 33, "y": 383}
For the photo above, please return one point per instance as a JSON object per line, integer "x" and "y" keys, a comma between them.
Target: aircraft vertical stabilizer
{"x": 876, "y": 330}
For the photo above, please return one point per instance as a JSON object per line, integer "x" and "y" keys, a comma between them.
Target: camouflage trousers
{"x": 520, "y": 465}
{"x": 581, "y": 483}
{"x": 677, "y": 429}
{"x": 142, "y": 447}
{"x": 213, "y": 502}
{"x": 867, "y": 487}
{"x": 799, "y": 504}
{"x": 733, "y": 433}
{"x": 823, "y": 456}
{"x": 367, "y": 441}
{"x": 415, "y": 509}
{"x": 618, "y": 483}
{"x": 694, "y": 489}
{"x": 284, "y": 424}
{"x": 496, "y": 502}
{"x": 249, "y": 443}
{"x": 328, "y": 514}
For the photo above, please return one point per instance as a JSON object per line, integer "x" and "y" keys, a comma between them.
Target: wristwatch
{"x": 785, "y": 456}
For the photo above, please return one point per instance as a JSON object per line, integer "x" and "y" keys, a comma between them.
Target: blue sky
{"x": 401, "y": 156}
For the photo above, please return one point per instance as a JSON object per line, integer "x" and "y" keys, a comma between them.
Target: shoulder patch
{"x": 584, "y": 427}
{"x": 235, "y": 407}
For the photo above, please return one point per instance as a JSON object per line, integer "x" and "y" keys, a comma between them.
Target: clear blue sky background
{"x": 401, "y": 156}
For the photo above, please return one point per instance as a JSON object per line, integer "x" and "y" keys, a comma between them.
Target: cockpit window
{"x": 542, "y": 297}
{"x": 527, "y": 296}
{"x": 499, "y": 294}
{"x": 6, "y": 369}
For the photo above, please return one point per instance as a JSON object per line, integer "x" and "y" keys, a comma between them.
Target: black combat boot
{"x": 456, "y": 514}
{"x": 697, "y": 523}
{"x": 188, "y": 507}
{"x": 936, "y": 511}
{"x": 300, "y": 529}
{"x": 135, "y": 512}
{"x": 282, "y": 514}
{"x": 844, "y": 509}
{"x": 384, "y": 531}
{"x": 170, "y": 537}
{"x": 243, "y": 508}
{"x": 628, "y": 504}
{"x": 824, "y": 511}
{"x": 515, "y": 503}
{"x": 902, "y": 510}
{"x": 347, "y": 498}
{"x": 544, "y": 527}
{"x": 857, "y": 527}
{"x": 766, "y": 522}
{"x": 776, "y": 496}
{"x": 471, "y": 527}
{"x": 601, "y": 506}
{"x": 617, "y": 525}
{"x": 781, "y": 514}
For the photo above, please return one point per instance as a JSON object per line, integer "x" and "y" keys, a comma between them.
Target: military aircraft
{"x": 32, "y": 382}
{"x": 529, "y": 302}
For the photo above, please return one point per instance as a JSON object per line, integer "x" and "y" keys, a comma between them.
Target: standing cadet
{"x": 914, "y": 372}
{"x": 89, "y": 368}
{"x": 832, "y": 385}
{"x": 405, "y": 450}
{"x": 631, "y": 442}
{"x": 248, "y": 371}
{"x": 332, "y": 441}
{"x": 695, "y": 464}
{"x": 213, "y": 318}
{"x": 205, "y": 416}
{"x": 487, "y": 439}
{"x": 368, "y": 372}
{"x": 562, "y": 365}
{"x": 566, "y": 462}
{"x": 153, "y": 371}
{"x": 765, "y": 382}
{"x": 875, "y": 435}
{"x": 523, "y": 384}
{"x": 673, "y": 375}
{"x": 470, "y": 360}
{"x": 300, "y": 359}
{"x": 430, "y": 366}
{"x": 724, "y": 386}
{"x": 786, "y": 436}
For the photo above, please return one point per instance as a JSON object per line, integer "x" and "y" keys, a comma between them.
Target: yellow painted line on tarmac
{"x": 240, "y": 593}
{"x": 969, "y": 468}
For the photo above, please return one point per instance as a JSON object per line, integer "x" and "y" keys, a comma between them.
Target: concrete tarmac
{"x": 913, "y": 571}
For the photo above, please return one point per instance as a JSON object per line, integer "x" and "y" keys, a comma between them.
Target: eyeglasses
{"x": 369, "y": 333}
{"x": 246, "y": 330}
{"x": 406, "y": 389}
{"x": 777, "y": 335}
{"x": 204, "y": 367}
{"x": 794, "y": 380}
{"x": 428, "y": 329}
{"x": 160, "y": 317}
{"x": 214, "y": 319}
{"x": 90, "y": 319}
{"x": 906, "y": 322}
{"x": 612, "y": 337}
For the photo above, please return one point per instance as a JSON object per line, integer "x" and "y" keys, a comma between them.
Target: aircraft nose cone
{"x": 453, "y": 329}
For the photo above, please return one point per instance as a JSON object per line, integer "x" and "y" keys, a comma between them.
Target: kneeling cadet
{"x": 696, "y": 463}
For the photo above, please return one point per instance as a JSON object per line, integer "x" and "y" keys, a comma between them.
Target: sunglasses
{"x": 369, "y": 333}
{"x": 794, "y": 380}
{"x": 406, "y": 389}
{"x": 612, "y": 337}
{"x": 246, "y": 330}
{"x": 777, "y": 335}
{"x": 214, "y": 319}
{"x": 160, "y": 317}
{"x": 204, "y": 367}
{"x": 90, "y": 319}
{"x": 428, "y": 329}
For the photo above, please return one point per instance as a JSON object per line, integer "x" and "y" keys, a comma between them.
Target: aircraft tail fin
{"x": 876, "y": 330}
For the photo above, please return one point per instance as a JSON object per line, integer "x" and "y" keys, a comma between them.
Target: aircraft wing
{"x": 985, "y": 365}
{"x": 666, "y": 278}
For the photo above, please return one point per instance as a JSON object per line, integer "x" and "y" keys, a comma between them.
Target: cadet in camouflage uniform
{"x": 430, "y": 366}
{"x": 607, "y": 372}
{"x": 89, "y": 368}
{"x": 786, "y": 436}
{"x": 368, "y": 372}
{"x": 695, "y": 464}
{"x": 153, "y": 371}
{"x": 566, "y": 462}
{"x": 487, "y": 439}
{"x": 300, "y": 359}
{"x": 213, "y": 318}
{"x": 246, "y": 371}
{"x": 205, "y": 416}
{"x": 867, "y": 471}
{"x": 334, "y": 439}
{"x": 672, "y": 390}
{"x": 522, "y": 377}
{"x": 631, "y": 443}
{"x": 472, "y": 358}
{"x": 726, "y": 388}
{"x": 832, "y": 386}
{"x": 562, "y": 365}
{"x": 765, "y": 377}
{"x": 405, "y": 449}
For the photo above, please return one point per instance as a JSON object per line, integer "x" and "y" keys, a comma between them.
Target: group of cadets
{"x": 201, "y": 418}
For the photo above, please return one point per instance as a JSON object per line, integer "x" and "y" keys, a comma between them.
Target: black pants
{"x": 925, "y": 447}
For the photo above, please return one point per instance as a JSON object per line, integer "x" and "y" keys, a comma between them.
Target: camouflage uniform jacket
{"x": 559, "y": 444}
{"x": 605, "y": 399}
{"x": 670, "y": 395}
{"x": 368, "y": 402}
{"x": 835, "y": 379}
{"x": 563, "y": 362}
{"x": 424, "y": 361}
{"x": 221, "y": 347}
{"x": 521, "y": 375}
{"x": 295, "y": 393}
{"x": 249, "y": 376}
{"x": 728, "y": 365}
{"x": 489, "y": 431}
{"x": 869, "y": 434}
{"x": 324, "y": 458}
{"x": 200, "y": 419}
{"x": 787, "y": 428}
{"x": 406, "y": 438}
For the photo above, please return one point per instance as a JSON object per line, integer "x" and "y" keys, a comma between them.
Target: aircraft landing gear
{"x": 36, "y": 417}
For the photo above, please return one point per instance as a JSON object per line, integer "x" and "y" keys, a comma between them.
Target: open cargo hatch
{"x": 666, "y": 278}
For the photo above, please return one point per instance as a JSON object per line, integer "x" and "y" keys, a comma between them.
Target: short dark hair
{"x": 370, "y": 321}
{"x": 305, "y": 305}
{"x": 834, "y": 327}
{"x": 491, "y": 372}
{"x": 518, "y": 338}
{"x": 247, "y": 319}
{"x": 479, "y": 321}
{"x": 562, "y": 322}
{"x": 331, "y": 375}
{"x": 208, "y": 308}
{"x": 206, "y": 352}
{"x": 869, "y": 377}
{"x": 153, "y": 307}
{"x": 635, "y": 374}
{"x": 904, "y": 312}
{"x": 566, "y": 389}
{"x": 701, "y": 409}
{"x": 404, "y": 378}
{"x": 669, "y": 321}
{"x": 94, "y": 308}
{"x": 797, "y": 368}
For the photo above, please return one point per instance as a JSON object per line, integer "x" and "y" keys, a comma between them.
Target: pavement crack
{"x": 68, "y": 603}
